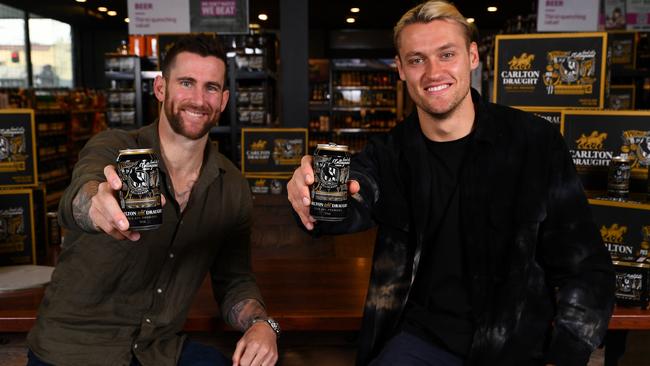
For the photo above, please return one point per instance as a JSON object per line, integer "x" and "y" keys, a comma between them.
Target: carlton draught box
{"x": 594, "y": 137}
{"x": 272, "y": 151}
{"x": 17, "y": 148}
{"x": 17, "y": 227}
{"x": 552, "y": 115}
{"x": 622, "y": 48}
{"x": 621, "y": 97}
{"x": 624, "y": 227}
{"x": 267, "y": 184}
{"x": 625, "y": 230}
{"x": 632, "y": 283}
{"x": 559, "y": 70}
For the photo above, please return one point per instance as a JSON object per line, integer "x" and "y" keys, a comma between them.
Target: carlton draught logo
{"x": 523, "y": 62}
{"x": 12, "y": 150}
{"x": 260, "y": 186}
{"x": 258, "y": 145}
{"x": 570, "y": 73}
{"x": 590, "y": 150}
{"x": 592, "y": 142}
{"x": 614, "y": 238}
{"x": 520, "y": 76}
{"x": 258, "y": 153}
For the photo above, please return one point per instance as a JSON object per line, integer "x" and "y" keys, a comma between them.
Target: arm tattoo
{"x": 81, "y": 206}
{"x": 242, "y": 314}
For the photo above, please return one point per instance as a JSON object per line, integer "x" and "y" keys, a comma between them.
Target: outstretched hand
{"x": 298, "y": 191}
{"x": 105, "y": 212}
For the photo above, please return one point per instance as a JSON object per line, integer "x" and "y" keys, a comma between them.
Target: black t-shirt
{"x": 439, "y": 309}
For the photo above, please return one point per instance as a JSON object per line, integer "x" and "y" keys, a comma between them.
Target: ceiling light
{"x": 350, "y": 20}
{"x": 111, "y": 13}
{"x": 492, "y": 9}
{"x": 126, "y": 20}
{"x": 262, "y": 16}
{"x": 102, "y": 9}
{"x": 470, "y": 20}
{"x": 81, "y": 1}
{"x": 354, "y": 10}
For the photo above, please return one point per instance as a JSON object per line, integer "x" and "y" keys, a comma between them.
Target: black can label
{"x": 618, "y": 180}
{"x": 140, "y": 194}
{"x": 329, "y": 195}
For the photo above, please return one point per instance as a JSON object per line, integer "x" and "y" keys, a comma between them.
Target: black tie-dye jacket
{"x": 541, "y": 280}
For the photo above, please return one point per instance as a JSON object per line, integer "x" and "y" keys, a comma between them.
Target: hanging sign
{"x": 158, "y": 16}
{"x": 567, "y": 15}
{"x": 220, "y": 16}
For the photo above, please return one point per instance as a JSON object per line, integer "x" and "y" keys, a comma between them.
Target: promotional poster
{"x": 565, "y": 70}
{"x": 275, "y": 151}
{"x": 17, "y": 148}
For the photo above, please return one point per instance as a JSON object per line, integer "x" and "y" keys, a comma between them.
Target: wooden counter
{"x": 319, "y": 294}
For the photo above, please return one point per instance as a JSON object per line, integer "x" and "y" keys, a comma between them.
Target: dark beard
{"x": 177, "y": 125}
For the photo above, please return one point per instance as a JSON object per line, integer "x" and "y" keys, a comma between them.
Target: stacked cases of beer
{"x": 23, "y": 227}
{"x": 270, "y": 155}
{"x": 564, "y": 78}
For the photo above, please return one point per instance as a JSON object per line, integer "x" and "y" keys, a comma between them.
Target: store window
{"x": 51, "y": 46}
{"x": 13, "y": 63}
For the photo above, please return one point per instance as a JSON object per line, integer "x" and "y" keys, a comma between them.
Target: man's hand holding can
{"x": 298, "y": 190}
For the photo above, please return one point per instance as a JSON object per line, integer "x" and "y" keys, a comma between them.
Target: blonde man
{"x": 486, "y": 252}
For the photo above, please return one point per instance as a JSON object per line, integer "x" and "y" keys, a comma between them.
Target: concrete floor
{"x": 322, "y": 349}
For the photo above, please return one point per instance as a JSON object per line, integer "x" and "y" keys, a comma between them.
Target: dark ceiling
{"x": 323, "y": 14}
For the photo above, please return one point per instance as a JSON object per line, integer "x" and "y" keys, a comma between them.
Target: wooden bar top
{"x": 301, "y": 294}
{"x": 312, "y": 294}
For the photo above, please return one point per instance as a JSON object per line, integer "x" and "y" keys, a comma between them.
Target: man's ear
{"x": 398, "y": 62}
{"x": 159, "y": 88}
{"x": 473, "y": 55}
{"x": 224, "y": 99}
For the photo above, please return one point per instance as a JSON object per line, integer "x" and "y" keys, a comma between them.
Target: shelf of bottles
{"x": 65, "y": 120}
{"x": 350, "y": 99}
{"x": 252, "y": 81}
{"x": 254, "y": 77}
{"x": 122, "y": 72}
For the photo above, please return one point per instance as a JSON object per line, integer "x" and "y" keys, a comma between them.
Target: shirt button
{"x": 159, "y": 291}
{"x": 148, "y": 320}
{"x": 171, "y": 255}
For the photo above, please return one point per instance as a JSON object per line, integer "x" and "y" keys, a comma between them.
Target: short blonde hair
{"x": 430, "y": 11}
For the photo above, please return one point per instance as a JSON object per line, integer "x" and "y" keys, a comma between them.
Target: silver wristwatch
{"x": 271, "y": 322}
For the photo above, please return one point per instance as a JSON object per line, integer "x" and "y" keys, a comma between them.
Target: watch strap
{"x": 270, "y": 322}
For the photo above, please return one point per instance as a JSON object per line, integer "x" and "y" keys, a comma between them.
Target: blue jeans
{"x": 193, "y": 354}
{"x": 407, "y": 349}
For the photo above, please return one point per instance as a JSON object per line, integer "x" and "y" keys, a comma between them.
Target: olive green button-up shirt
{"x": 111, "y": 300}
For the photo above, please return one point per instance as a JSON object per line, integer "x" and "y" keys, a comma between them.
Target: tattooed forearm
{"x": 242, "y": 314}
{"x": 81, "y": 206}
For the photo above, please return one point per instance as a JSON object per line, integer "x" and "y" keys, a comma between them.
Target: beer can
{"x": 618, "y": 179}
{"x": 140, "y": 194}
{"x": 329, "y": 195}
